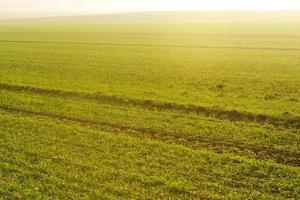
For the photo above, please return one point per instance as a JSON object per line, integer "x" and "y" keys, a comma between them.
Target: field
{"x": 199, "y": 109}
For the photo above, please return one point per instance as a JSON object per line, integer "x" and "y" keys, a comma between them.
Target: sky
{"x": 15, "y": 7}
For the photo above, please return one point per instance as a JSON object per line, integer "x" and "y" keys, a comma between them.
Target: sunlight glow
{"x": 108, "y": 6}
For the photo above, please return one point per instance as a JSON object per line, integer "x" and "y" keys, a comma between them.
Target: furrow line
{"x": 232, "y": 115}
{"x": 148, "y": 45}
{"x": 190, "y": 141}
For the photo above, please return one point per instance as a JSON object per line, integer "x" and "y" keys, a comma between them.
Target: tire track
{"x": 190, "y": 141}
{"x": 232, "y": 115}
{"x": 148, "y": 45}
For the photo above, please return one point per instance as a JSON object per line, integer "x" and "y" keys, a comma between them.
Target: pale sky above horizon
{"x": 107, "y": 6}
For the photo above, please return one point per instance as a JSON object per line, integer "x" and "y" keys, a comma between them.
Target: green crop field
{"x": 198, "y": 107}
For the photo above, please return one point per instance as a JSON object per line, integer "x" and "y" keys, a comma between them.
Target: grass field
{"x": 199, "y": 109}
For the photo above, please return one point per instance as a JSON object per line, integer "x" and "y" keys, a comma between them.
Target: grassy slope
{"x": 231, "y": 66}
{"x": 203, "y": 109}
{"x": 253, "y": 139}
{"x": 44, "y": 158}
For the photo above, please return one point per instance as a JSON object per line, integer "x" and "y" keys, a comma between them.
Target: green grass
{"x": 69, "y": 161}
{"x": 209, "y": 109}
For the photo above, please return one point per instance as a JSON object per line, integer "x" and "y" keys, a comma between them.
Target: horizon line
{"x": 37, "y": 15}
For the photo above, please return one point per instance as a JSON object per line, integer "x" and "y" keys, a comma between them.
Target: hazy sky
{"x": 74, "y": 6}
